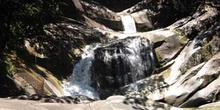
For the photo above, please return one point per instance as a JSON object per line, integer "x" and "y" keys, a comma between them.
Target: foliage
{"x": 22, "y": 18}
{"x": 9, "y": 66}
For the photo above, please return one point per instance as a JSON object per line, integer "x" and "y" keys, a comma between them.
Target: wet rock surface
{"x": 121, "y": 62}
{"x": 195, "y": 68}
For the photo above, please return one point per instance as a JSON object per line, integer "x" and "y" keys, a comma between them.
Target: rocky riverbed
{"x": 111, "y": 103}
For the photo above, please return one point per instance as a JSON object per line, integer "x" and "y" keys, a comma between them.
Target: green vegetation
{"x": 23, "y": 18}
{"x": 19, "y": 20}
{"x": 9, "y": 66}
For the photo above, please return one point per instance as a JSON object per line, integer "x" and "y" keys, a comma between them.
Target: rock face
{"x": 193, "y": 71}
{"x": 33, "y": 79}
{"x": 121, "y": 62}
{"x": 44, "y": 59}
{"x": 153, "y": 14}
{"x": 61, "y": 44}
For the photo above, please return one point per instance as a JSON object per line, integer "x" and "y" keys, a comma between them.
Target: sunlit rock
{"x": 185, "y": 79}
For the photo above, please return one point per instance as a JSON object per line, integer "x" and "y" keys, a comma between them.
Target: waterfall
{"x": 121, "y": 65}
{"x": 128, "y": 24}
{"x": 104, "y": 68}
{"x": 80, "y": 79}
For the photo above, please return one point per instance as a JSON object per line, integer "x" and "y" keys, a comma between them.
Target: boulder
{"x": 121, "y": 62}
{"x": 99, "y": 16}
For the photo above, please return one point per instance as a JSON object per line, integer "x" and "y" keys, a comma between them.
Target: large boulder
{"x": 121, "y": 62}
{"x": 99, "y": 16}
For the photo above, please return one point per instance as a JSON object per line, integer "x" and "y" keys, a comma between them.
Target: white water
{"x": 80, "y": 80}
{"x": 128, "y": 24}
{"x": 132, "y": 56}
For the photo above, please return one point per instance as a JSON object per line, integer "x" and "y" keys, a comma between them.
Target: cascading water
{"x": 105, "y": 68}
{"x": 120, "y": 63}
{"x": 80, "y": 80}
{"x": 128, "y": 24}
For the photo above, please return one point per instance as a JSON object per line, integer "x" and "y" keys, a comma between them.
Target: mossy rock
{"x": 171, "y": 47}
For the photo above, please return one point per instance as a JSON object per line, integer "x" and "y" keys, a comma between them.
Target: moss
{"x": 159, "y": 56}
{"x": 165, "y": 74}
{"x": 206, "y": 54}
{"x": 9, "y": 64}
{"x": 182, "y": 37}
{"x": 181, "y": 32}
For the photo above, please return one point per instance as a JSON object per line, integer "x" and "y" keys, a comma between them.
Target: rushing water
{"x": 121, "y": 62}
{"x": 128, "y": 24}
{"x": 80, "y": 80}
{"x": 107, "y": 67}
{"x": 104, "y": 68}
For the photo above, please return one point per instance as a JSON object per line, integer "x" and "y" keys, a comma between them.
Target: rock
{"x": 116, "y": 99}
{"x": 211, "y": 105}
{"x": 172, "y": 44}
{"x": 95, "y": 10}
{"x": 147, "y": 14}
{"x": 155, "y": 14}
{"x": 62, "y": 45}
{"x": 121, "y": 62}
{"x": 32, "y": 68}
{"x": 43, "y": 98}
{"x": 110, "y": 104}
{"x": 183, "y": 80}
{"x": 20, "y": 82}
{"x": 99, "y": 16}
{"x": 34, "y": 79}
{"x": 211, "y": 78}
{"x": 186, "y": 70}
{"x": 117, "y": 5}
{"x": 113, "y": 102}
{"x": 144, "y": 20}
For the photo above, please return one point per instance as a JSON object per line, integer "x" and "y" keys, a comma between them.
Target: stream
{"x": 104, "y": 68}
